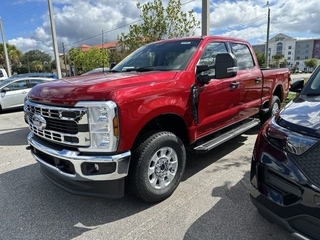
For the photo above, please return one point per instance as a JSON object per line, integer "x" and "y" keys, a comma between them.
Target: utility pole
{"x": 54, "y": 40}
{"x": 205, "y": 23}
{"x": 65, "y": 59}
{"x": 102, "y": 50}
{"x": 5, "y": 50}
{"x": 267, "y": 42}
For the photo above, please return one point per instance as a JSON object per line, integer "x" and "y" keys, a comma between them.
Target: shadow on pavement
{"x": 197, "y": 162}
{"x": 33, "y": 208}
{"x": 14, "y": 137}
{"x": 241, "y": 220}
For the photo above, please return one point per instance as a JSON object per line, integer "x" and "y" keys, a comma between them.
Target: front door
{"x": 15, "y": 94}
{"x": 219, "y": 99}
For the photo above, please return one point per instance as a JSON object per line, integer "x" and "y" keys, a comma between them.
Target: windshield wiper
{"x": 313, "y": 94}
{"x": 113, "y": 71}
{"x": 139, "y": 69}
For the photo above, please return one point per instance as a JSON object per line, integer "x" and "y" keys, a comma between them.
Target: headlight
{"x": 103, "y": 125}
{"x": 288, "y": 140}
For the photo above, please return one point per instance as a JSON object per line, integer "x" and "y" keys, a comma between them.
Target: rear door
{"x": 219, "y": 99}
{"x": 250, "y": 77}
{"x": 15, "y": 94}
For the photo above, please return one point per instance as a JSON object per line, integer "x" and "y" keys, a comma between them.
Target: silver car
{"x": 14, "y": 90}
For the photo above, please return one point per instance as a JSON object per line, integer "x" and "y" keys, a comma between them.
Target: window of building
{"x": 279, "y": 48}
{"x": 298, "y": 57}
{"x": 298, "y": 52}
{"x": 290, "y": 47}
{"x": 298, "y": 46}
{"x": 307, "y": 46}
{"x": 289, "y": 53}
{"x": 297, "y": 63}
{"x": 306, "y": 57}
{"x": 289, "y": 58}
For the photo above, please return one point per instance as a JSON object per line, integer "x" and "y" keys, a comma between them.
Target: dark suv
{"x": 285, "y": 170}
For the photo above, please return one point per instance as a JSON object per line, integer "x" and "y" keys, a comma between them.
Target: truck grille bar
{"x": 68, "y": 126}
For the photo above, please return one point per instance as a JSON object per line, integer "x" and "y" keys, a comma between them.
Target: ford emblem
{"x": 38, "y": 121}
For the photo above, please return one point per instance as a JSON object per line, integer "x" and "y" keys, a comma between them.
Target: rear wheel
{"x": 274, "y": 108}
{"x": 157, "y": 165}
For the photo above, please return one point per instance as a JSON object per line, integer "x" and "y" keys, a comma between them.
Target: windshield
{"x": 5, "y": 82}
{"x": 312, "y": 86}
{"x": 159, "y": 56}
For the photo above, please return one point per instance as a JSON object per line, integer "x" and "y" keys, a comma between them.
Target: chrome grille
{"x": 63, "y": 125}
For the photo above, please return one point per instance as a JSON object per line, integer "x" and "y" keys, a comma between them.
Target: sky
{"x": 26, "y": 23}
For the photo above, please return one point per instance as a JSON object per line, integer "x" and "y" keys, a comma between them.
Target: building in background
{"x": 295, "y": 51}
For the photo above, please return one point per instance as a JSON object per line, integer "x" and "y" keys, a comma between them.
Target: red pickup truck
{"x": 132, "y": 126}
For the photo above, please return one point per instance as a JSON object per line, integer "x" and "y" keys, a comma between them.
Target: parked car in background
{"x": 285, "y": 170}
{"x": 97, "y": 70}
{"x": 3, "y": 74}
{"x": 43, "y": 75}
{"x": 14, "y": 90}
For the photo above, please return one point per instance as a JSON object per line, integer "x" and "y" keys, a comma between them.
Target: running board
{"x": 227, "y": 136}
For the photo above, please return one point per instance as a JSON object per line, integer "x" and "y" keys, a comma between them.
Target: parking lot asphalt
{"x": 212, "y": 201}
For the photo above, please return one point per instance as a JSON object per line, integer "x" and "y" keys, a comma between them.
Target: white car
{"x": 14, "y": 90}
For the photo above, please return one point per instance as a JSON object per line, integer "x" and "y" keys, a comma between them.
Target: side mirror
{"x": 202, "y": 68}
{"x": 112, "y": 65}
{"x": 203, "y": 77}
{"x": 5, "y": 89}
{"x": 297, "y": 85}
{"x": 226, "y": 65}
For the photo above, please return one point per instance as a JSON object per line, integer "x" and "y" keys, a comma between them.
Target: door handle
{"x": 234, "y": 85}
{"x": 258, "y": 80}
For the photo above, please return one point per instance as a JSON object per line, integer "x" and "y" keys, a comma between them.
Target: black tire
{"x": 274, "y": 108}
{"x": 158, "y": 158}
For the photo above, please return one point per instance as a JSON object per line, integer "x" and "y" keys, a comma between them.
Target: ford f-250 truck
{"x": 92, "y": 134}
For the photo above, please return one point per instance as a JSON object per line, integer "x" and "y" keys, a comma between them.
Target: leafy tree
{"x": 38, "y": 56}
{"x": 277, "y": 58}
{"x": 86, "y": 61}
{"x": 37, "y": 66}
{"x": 14, "y": 55}
{"x": 311, "y": 63}
{"x": 159, "y": 23}
{"x": 260, "y": 57}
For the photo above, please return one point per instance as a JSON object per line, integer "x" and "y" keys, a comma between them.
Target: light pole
{"x": 205, "y": 28}
{"x": 5, "y": 50}
{"x": 54, "y": 40}
{"x": 267, "y": 42}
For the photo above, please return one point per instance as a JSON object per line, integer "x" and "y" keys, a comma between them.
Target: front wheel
{"x": 274, "y": 108}
{"x": 157, "y": 165}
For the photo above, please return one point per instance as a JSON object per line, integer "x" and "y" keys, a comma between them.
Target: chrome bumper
{"x": 121, "y": 160}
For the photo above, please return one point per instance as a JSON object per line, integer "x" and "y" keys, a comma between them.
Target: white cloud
{"x": 82, "y": 22}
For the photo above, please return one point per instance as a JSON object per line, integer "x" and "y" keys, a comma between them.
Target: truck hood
{"x": 68, "y": 91}
{"x": 302, "y": 115}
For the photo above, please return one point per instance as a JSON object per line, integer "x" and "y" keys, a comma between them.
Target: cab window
{"x": 17, "y": 85}
{"x": 243, "y": 56}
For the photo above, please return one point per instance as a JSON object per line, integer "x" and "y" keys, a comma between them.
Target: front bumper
{"x": 81, "y": 173}
{"x": 282, "y": 193}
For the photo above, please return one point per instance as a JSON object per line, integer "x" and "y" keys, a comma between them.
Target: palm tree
{"x": 278, "y": 57}
{"x": 36, "y": 66}
{"x": 13, "y": 53}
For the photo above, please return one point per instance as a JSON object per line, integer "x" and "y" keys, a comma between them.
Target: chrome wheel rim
{"x": 275, "y": 108}
{"x": 163, "y": 167}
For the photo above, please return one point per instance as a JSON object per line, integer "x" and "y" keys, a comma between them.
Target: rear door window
{"x": 243, "y": 56}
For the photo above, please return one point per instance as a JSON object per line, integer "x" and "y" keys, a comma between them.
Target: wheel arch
{"x": 166, "y": 122}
